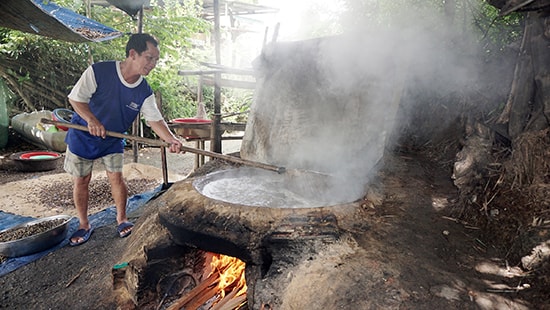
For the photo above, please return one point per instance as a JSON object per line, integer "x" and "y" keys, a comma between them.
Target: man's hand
{"x": 95, "y": 128}
{"x": 175, "y": 146}
{"x": 161, "y": 129}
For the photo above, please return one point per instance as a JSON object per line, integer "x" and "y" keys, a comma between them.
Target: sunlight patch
{"x": 439, "y": 203}
{"x": 494, "y": 269}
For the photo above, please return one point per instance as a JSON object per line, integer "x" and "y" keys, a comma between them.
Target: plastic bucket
{"x": 63, "y": 116}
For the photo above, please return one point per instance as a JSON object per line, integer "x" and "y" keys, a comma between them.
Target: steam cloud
{"x": 329, "y": 104}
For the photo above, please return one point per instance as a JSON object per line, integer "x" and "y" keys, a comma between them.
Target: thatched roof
{"x": 47, "y": 19}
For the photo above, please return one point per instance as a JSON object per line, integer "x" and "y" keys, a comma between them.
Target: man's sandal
{"x": 124, "y": 229}
{"x": 82, "y": 234}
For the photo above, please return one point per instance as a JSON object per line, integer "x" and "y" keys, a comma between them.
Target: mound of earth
{"x": 414, "y": 255}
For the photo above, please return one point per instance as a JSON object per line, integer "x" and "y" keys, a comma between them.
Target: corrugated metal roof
{"x": 235, "y": 8}
{"x": 226, "y": 6}
{"x": 131, "y": 7}
{"x": 47, "y": 19}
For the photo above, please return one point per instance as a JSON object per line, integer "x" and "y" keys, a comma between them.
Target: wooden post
{"x": 276, "y": 33}
{"x": 135, "y": 125}
{"x": 216, "y": 141}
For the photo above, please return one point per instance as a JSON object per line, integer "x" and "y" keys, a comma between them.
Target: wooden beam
{"x": 197, "y": 72}
{"x": 229, "y": 83}
{"x": 224, "y": 69}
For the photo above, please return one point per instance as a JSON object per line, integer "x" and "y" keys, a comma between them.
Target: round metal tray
{"x": 202, "y": 131}
{"x": 32, "y": 161}
{"x": 38, "y": 242}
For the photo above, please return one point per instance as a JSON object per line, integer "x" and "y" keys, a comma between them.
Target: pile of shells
{"x": 27, "y": 231}
{"x": 60, "y": 195}
{"x": 33, "y": 236}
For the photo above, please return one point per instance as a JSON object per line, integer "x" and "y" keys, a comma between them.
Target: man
{"x": 108, "y": 97}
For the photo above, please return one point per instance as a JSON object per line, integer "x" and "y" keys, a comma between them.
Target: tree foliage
{"x": 33, "y": 71}
{"x": 41, "y": 71}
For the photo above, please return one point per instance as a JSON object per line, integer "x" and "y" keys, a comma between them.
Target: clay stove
{"x": 277, "y": 225}
{"x": 270, "y": 240}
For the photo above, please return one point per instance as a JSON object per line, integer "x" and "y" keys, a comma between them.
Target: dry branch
{"x": 37, "y": 82}
{"x": 505, "y": 114}
{"x": 14, "y": 85}
{"x": 75, "y": 277}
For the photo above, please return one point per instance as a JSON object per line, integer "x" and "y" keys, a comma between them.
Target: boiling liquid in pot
{"x": 265, "y": 189}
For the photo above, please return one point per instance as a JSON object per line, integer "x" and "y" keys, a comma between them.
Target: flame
{"x": 231, "y": 274}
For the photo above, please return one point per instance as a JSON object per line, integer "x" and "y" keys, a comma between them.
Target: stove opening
{"x": 183, "y": 278}
{"x": 222, "y": 285}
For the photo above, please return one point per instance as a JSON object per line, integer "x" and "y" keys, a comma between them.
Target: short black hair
{"x": 138, "y": 42}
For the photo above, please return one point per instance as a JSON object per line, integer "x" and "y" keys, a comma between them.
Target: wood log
{"x": 233, "y": 303}
{"x": 185, "y": 299}
{"x": 203, "y": 297}
{"x": 225, "y": 300}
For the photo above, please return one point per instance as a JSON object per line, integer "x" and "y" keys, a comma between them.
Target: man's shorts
{"x": 81, "y": 167}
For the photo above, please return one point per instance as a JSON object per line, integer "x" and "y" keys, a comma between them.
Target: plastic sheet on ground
{"x": 100, "y": 219}
{"x": 45, "y": 18}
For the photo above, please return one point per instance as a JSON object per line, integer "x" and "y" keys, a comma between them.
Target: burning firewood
{"x": 226, "y": 275}
{"x": 233, "y": 303}
{"x": 191, "y": 295}
{"x": 230, "y": 301}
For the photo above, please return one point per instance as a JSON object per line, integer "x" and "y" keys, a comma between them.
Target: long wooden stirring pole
{"x": 155, "y": 142}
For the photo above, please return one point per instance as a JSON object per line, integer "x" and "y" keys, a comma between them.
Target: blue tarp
{"x": 76, "y": 21}
{"x": 103, "y": 218}
{"x": 44, "y": 17}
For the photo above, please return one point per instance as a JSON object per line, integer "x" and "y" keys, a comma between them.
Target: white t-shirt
{"x": 86, "y": 87}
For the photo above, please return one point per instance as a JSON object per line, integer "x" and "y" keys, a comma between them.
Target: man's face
{"x": 147, "y": 61}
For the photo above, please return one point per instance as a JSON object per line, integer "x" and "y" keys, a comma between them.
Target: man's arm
{"x": 161, "y": 129}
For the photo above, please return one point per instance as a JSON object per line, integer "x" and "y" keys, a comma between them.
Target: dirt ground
{"x": 414, "y": 256}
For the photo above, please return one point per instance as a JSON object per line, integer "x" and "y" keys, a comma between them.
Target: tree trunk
{"x": 529, "y": 100}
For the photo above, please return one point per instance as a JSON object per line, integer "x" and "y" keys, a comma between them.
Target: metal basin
{"x": 261, "y": 188}
{"x": 197, "y": 128}
{"x": 32, "y": 161}
{"x": 38, "y": 242}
